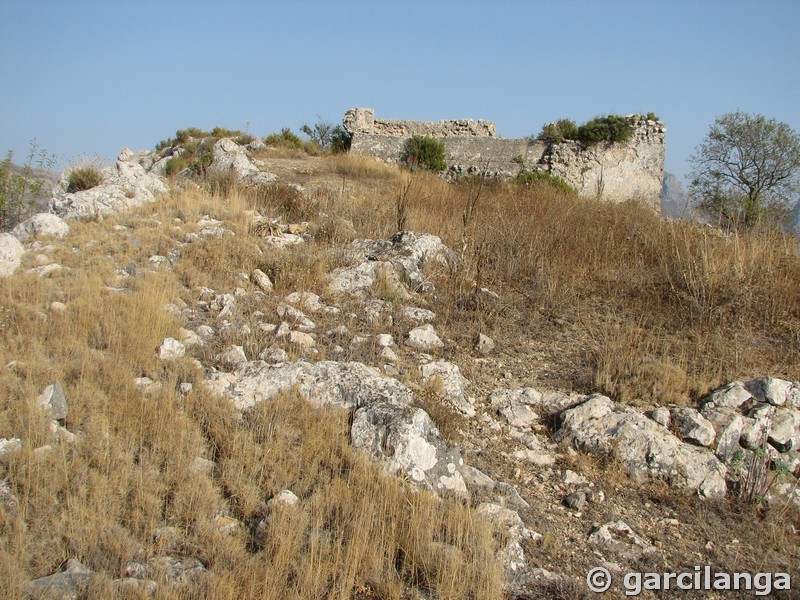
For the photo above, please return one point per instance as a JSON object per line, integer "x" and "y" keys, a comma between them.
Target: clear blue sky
{"x": 88, "y": 78}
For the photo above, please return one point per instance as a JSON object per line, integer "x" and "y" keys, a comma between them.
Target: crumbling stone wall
{"x": 615, "y": 172}
{"x": 363, "y": 121}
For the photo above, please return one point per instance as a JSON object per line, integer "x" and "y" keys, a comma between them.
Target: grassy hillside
{"x": 590, "y": 297}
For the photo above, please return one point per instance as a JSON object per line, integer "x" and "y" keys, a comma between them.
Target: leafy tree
{"x": 424, "y": 152}
{"x": 746, "y": 170}
{"x": 328, "y": 136}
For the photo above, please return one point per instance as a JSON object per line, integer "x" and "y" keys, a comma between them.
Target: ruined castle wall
{"x": 362, "y": 120}
{"x": 632, "y": 170}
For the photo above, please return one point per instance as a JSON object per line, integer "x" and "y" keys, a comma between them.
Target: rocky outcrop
{"x": 644, "y": 448}
{"x": 230, "y": 157}
{"x": 385, "y": 422}
{"x": 397, "y": 263}
{"x": 127, "y": 183}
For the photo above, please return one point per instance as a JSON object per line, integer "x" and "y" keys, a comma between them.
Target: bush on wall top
{"x": 613, "y": 128}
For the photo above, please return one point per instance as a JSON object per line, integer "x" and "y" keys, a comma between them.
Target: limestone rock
{"x": 784, "y": 435}
{"x": 661, "y": 415}
{"x": 773, "y": 390}
{"x": 230, "y": 157}
{"x": 125, "y": 184}
{"x": 618, "y": 538}
{"x": 483, "y": 344}
{"x": 729, "y": 426}
{"x": 302, "y": 340}
{"x": 41, "y": 224}
{"x": 424, "y": 338}
{"x": 447, "y": 380}
{"x": 646, "y": 449}
{"x": 54, "y": 400}
{"x": 693, "y": 427}
{"x": 417, "y": 315}
{"x": 179, "y": 569}
{"x": 232, "y": 357}
{"x": 171, "y": 349}
{"x": 476, "y": 478}
{"x": 384, "y": 422}
{"x": 263, "y": 281}
{"x": 9, "y": 445}
{"x": 512, "y": 555}
{"x": 11, "y": 252}
{"x": 575, "y": 501}
{"x": 69, "y": 584}
{"x": 287, "y": 497}
{"x": 732, "y": 395}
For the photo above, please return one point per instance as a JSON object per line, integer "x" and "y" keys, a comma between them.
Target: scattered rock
{"x": 575, "y": 501}
{"x": 54, "y": 400}
{"x": 618, "y": 538}
{"x": 424, "y": 338}
{"x": 69, "y": 584}
{"x": 286, "y": 497}
{"x": 263, "y": 281}
{"x": 476, "y": 478}
{"x": 483, "y": 344}
{"x": 171, "y": 349}
{"x": 232, "y": 357}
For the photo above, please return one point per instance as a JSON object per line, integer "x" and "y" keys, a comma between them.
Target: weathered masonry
{"x": 632, "y": 170}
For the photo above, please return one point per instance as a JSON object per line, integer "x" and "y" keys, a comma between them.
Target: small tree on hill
{"x": 746, "y": 170}
{"x": 424, "y": 152}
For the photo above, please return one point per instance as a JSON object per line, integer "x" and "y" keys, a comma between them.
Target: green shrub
{"x": 21, "y": 186}
{"x": 285, "y": 139}
{"x": 651, "y": 116}
{"x": 612, "y": 128}
{"x": 327, "y": 136}
{"x": 84, "y": 178}
{"x": 175, "y": 165}
{"x": 555, "y": 133}
{"x": 544, "y": 178}
{"x": 425, "y": 153}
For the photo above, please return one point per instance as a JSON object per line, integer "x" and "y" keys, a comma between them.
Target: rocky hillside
{"x": 321, "y": 377}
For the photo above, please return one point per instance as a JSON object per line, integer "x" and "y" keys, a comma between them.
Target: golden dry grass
{"x": 132, "y": 469}
{"x": 660, "y": 313}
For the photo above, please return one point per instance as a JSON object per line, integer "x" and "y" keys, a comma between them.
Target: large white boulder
{"x": 39, "y": 225}
{"x": 11, "y": 252}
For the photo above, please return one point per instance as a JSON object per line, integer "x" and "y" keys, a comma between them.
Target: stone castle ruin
{"x": 632, "y": 170}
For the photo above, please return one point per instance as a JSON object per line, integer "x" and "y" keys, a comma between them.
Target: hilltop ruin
{"x": 616, "y": 172}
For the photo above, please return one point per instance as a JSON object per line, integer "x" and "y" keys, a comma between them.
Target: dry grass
{"x": 102, "y": 499}
{"x": 655, "y": 312}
